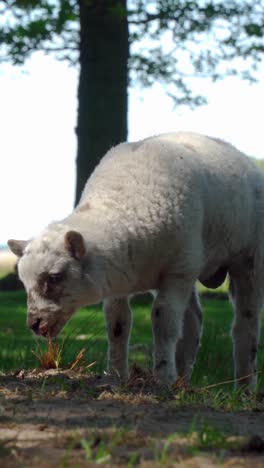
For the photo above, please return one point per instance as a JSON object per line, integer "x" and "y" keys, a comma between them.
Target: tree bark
{"x": 102, "y": 92}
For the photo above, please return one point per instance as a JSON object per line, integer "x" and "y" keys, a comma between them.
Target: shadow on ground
{"x": 61, "y": 418}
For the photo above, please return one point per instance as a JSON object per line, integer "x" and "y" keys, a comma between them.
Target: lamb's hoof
{"x": 165, "y": 378}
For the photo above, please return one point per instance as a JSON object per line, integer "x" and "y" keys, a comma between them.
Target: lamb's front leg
{"x": 167, "y": 323}
{"x": 118, "y": 324}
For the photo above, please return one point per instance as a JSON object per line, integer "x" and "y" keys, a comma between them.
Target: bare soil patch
{"x": 64, "y": 418}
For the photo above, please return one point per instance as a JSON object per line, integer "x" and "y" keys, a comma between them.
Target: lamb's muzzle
{"x": 38, "y": 325}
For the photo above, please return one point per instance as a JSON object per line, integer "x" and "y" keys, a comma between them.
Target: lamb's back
{"x": 168, "y": 166}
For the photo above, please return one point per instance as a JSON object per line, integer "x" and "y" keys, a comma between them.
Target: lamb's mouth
{"x": 50, "y": 332}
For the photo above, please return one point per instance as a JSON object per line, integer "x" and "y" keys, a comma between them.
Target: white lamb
{"x": 156, "y": 215}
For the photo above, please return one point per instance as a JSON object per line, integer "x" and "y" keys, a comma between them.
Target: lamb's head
{"x": 52, "y": 268}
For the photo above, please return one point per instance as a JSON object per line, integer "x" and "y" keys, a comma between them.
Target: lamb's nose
{"x": 34, "y": 324}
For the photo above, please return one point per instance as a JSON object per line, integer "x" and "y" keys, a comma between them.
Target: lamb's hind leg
{"x": 188, "y": 345}
{"x": 247, "y": 295}
{"x": 118, "y": 324}
{"x": 167, "y": 322}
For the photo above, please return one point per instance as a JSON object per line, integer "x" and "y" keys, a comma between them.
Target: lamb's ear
{"x": 74, "y": 244}
{"x": 17, "y": 246}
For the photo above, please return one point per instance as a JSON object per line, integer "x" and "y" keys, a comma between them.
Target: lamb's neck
{"x": 95, "y": 229}
{"x": 107, "y": 260}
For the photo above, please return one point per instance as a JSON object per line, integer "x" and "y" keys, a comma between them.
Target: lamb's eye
{"x": 55, "y": 278}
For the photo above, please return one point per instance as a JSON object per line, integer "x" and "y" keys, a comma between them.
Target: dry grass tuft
{"x": 50, "y": 359}
{"x": 53, "y": 357}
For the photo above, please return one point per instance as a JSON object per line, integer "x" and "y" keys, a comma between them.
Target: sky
{"x": 38, "y": 105}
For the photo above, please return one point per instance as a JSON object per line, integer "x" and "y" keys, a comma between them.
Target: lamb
{"x": 156, "y": 215}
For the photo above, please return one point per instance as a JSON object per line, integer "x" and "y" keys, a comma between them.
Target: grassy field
{"x": 87, "y": 330}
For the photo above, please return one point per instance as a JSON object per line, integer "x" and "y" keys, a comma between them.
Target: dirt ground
{"x": 64, "y": 419}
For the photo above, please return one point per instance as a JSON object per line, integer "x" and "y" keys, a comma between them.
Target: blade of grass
{"x": 230, "y": 381}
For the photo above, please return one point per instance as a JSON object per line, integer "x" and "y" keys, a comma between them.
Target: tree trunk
{"x": 102, "y": 93}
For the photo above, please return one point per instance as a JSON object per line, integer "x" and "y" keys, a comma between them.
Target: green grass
{"x": 87, "y": 330}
